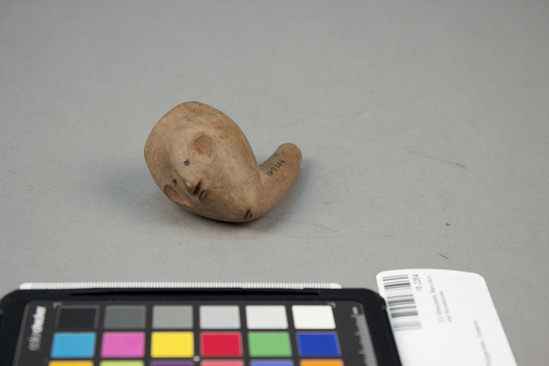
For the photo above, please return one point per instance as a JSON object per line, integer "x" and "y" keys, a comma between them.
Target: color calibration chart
{"x": 194, "y": 334}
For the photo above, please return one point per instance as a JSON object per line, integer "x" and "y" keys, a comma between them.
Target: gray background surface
{"x": 423, "y": 126}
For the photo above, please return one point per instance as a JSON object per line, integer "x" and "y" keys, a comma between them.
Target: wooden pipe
{"x": 201, "y": 160}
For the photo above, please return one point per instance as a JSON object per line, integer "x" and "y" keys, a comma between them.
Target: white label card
{"x": 442, "y": 317}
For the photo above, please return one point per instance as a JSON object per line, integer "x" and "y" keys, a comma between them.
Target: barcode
{"x": 401, "y": 302}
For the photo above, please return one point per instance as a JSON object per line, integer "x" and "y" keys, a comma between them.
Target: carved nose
{"x": 196, "y": 188}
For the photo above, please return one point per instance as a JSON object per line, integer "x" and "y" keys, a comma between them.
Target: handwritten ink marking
{"x": 275, "y": 168}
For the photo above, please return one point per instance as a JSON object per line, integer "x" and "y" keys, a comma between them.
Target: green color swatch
{"x": 269, "y": 344}
{"x": 121, "y": 363}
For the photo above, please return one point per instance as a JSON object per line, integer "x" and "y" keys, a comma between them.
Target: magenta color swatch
{"x": 123, "y": 345}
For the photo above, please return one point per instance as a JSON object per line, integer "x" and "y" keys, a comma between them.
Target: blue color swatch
{"x": 78, "y": 345}
{"x": 318, "y": 344}
{"x": 273, "y": 363}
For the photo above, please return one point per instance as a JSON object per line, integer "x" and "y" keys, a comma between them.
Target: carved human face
{"x": 209, "y": 172}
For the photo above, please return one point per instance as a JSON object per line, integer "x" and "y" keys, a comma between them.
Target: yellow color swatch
{"x": 172, "y": 344}
{"x": 321, "y": 363}
{"x": 70, "y": 363}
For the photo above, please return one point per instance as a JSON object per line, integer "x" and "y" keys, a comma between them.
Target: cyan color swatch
{"x": 77, "y": 345}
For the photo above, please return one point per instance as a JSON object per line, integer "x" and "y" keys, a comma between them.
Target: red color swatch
{"x": 221, "y": 344}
